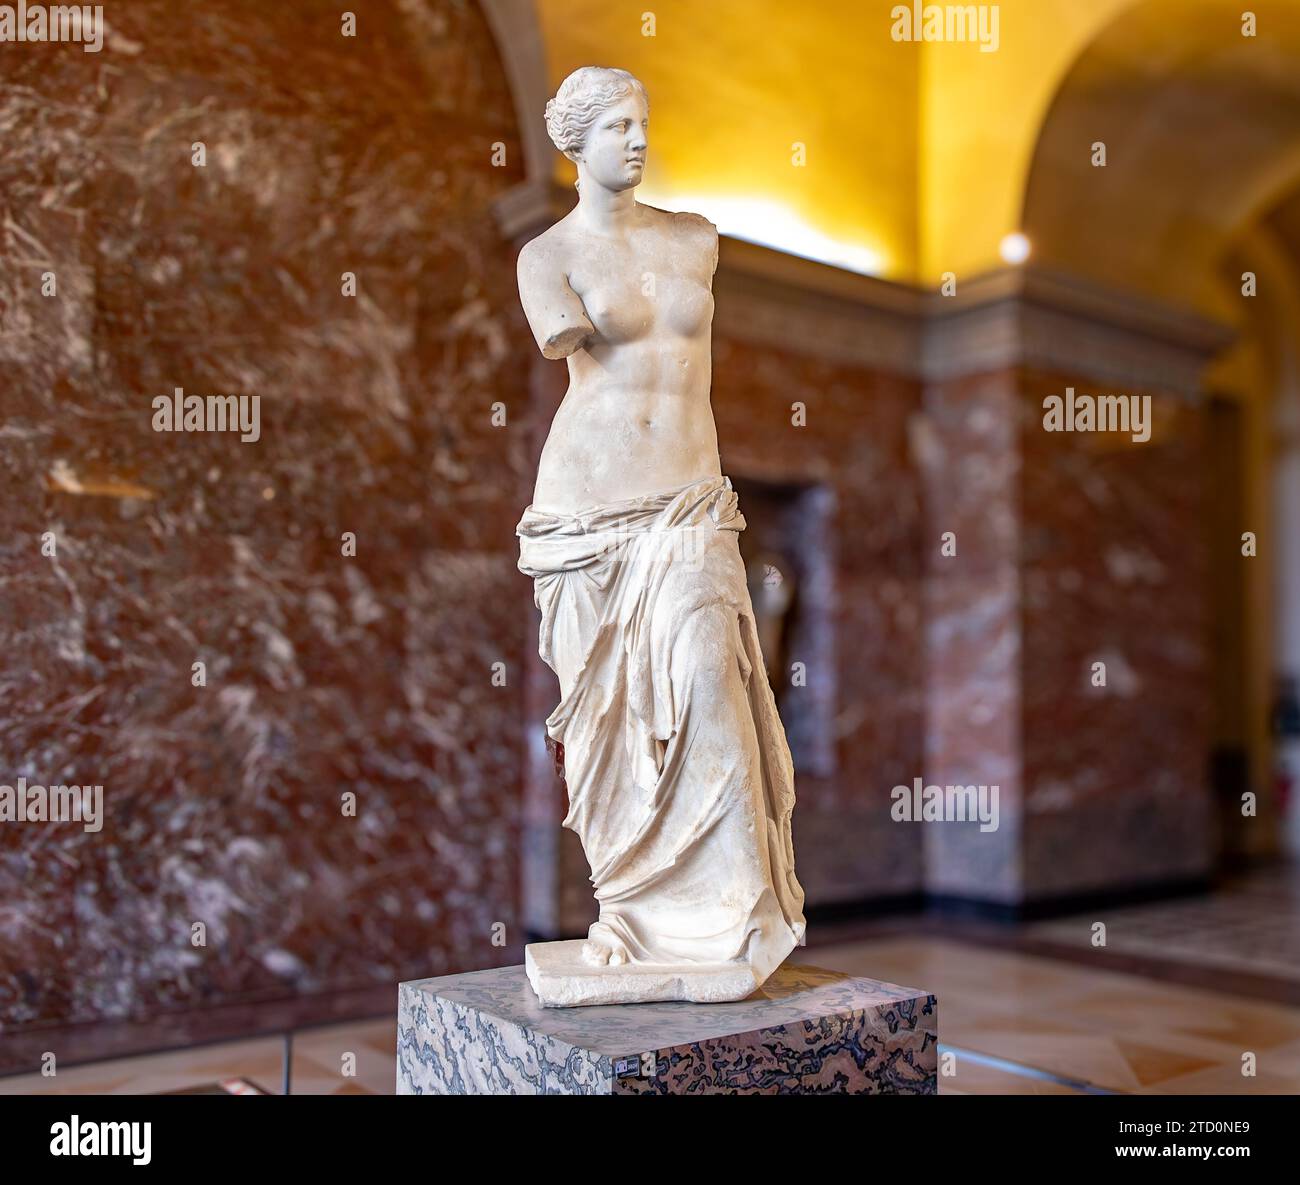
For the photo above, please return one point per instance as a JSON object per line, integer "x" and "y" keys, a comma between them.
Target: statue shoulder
{"x": 700, "y": 230}
{"x": 548, "y": 251}
{"x": 683, "y": 223}
{"x": 697, "y": 222}
{"x": 694, "y": 225}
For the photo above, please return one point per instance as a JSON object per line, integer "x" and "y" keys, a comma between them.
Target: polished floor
{"x": 1248, "y": 928}
{"x": 1014, "y": 1023}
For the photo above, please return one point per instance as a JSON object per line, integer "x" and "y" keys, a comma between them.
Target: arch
{"x": 1202, "y": 132}
{"x": 518, "y": 35}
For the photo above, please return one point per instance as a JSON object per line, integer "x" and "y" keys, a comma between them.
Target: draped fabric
{"x": 680, "y": 782}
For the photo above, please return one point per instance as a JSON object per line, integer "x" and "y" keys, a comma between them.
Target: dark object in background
{"x": 1286, "y": 708}
{"x": 1229, "y": 780}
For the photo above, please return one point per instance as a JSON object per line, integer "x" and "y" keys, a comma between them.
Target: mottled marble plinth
{"x": 562, "y": 979}
{"x": 805, "y": 1031}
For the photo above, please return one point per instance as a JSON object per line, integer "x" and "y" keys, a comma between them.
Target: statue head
{"x": 598, "y": 119}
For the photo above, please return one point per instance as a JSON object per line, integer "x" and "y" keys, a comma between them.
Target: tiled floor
{"x": 1014, "y": 1023}
{"x": 1249, "y": 926}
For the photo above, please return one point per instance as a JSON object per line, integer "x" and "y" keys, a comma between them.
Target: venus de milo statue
{"x": 680, "y": 782}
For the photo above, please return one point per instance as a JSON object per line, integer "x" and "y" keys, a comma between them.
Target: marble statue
{"x": 680, "y": 781}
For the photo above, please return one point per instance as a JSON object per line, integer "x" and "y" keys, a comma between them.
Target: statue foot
{"x": 602, "y": 952}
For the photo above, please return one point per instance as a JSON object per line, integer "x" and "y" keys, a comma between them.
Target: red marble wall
{"x": 325, "y": 673}
{"x": 1114, "y": 570}
{"x": 974, "y": 635}
{"x": 1072, "y": 548}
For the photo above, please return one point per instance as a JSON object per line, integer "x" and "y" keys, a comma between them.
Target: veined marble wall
{"x": 324, "y": 673}
{"x": 1114, "y": 571}
{"x": 975, "y": 638}
{"x": 1072, "y": 549}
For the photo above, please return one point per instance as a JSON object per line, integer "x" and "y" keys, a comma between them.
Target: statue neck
{"x": 606, "y": 211}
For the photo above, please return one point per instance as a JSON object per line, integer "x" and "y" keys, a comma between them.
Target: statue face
{"x": 613, "y": 153}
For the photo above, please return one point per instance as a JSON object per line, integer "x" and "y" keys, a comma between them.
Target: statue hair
{"x": 582, "y": 97}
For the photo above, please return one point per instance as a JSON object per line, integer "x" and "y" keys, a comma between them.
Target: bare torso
{"x": 636, "y": 418}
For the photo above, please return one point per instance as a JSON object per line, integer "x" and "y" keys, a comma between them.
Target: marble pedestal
{"x": 805, "y": 1031}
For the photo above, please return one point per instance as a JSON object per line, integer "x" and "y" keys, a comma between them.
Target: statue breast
{"x": 623, "y": 312}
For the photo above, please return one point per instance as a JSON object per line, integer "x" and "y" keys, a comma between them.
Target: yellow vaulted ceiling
{"x": 915, "y": 153}
{"x": 734, "y": 84}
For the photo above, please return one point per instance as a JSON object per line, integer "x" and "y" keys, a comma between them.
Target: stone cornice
{"x": 526, "y": 210}
{"x": 1048, "y": 320}
{"x": 1011, "y": 317}
{"x": 770, "y": 298}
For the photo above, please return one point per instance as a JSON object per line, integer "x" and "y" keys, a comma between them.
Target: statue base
{"x": 805, "y": 1031}
{"x": 563, "y": 979}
